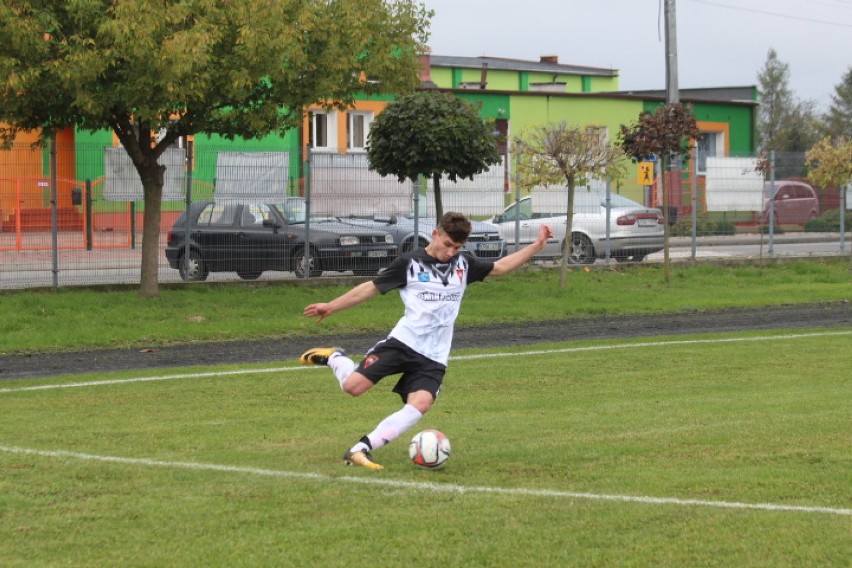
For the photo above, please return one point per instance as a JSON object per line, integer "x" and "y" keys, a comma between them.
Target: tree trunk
{"x": 152, "y": 182}
{"x": 667, "y": 266}
{"x": 439, "y": 206}
{"x": 568, "y": 245}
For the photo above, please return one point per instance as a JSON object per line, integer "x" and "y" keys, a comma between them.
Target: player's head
{"x": 449, "y": 236}
{"x": 456, "y": 226}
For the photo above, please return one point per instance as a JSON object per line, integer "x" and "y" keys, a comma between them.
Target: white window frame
{"x": 351, "y": 142}
{"x": 328, "y": 119}
{"x": 701, "y": 155}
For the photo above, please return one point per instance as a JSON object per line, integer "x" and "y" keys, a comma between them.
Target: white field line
{"x": 455, "y": 358}
{"x": 430, "y": 487}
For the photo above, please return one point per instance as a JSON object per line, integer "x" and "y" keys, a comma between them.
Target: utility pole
{"x": 672, "y": 95}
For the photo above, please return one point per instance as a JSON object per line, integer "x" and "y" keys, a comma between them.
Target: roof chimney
{"x": 550, "y": 59}
{"x": 426, "y": 66}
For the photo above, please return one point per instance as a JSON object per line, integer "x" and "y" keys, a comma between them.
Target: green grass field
{"x": 74, "y": 319}
{"x": 723, "y": 450}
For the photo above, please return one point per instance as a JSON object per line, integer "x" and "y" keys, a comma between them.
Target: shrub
{"x": 764, "y": 230}
{"x": 828, "y": 222}
{"x": 705, "y": 227}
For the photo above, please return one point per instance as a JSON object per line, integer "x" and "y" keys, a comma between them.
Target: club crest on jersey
{"x": 423, "y": 276}
{"x": 369, "y": 360}
{"x": 460, "y": 274}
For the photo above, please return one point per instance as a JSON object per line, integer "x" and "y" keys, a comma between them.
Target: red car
{"x": 794, "y": 202}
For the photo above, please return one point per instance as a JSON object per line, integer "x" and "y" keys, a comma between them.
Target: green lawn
{"x": 72, "y": 319}
{"x": 723, "y": 450}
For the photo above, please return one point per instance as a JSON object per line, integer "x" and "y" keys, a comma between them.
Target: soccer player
{"x": 432, "y": 281}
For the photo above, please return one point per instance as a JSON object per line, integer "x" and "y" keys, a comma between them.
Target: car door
{"x": 785, "y": 206}
{"x": 803, "y": 199}
{"x": 215, "y": 234}
{"x": 261, "y": 243}
{"x": 522, "y": 212}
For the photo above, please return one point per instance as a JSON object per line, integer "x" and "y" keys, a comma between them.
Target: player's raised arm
{"x": 358, "y": 294}
{"x": 519, "y": 258}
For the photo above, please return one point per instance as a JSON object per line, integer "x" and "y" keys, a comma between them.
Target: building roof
{"x": 743, "y": 94}
{"x": 548, "y": 64}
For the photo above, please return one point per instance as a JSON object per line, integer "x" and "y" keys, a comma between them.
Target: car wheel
{"x": 582, "y": 251}
{"x": 299, "y": 264}
{"x": 249, "y": 275}
{"x": 194, "y": 270}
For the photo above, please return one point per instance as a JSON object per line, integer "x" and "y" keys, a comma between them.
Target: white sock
{"x": 342, "y": 366}
{"x": 394, "y": 426}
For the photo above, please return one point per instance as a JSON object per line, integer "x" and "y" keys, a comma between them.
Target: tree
{"x": 559, "y": 153}
{"x": 785, "y": 124}
{"x": 431, "y": 134}
{"x": 776, "y": 101}
{"x": 838, "y": 120}
{"x": 666, "y": 134}
{"x": 830, "y": 162}
{"x": 153, "y": 72}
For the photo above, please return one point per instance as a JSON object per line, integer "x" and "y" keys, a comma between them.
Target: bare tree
{"x": 564, "y": 154}
{"x": 667, "y": 134}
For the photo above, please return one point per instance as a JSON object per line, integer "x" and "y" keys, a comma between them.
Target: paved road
{"x": 34, "y": 269}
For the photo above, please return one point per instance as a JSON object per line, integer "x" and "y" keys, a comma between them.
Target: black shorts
{"x": 391, "y": 356}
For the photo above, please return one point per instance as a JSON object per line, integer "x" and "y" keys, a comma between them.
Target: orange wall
{"x": 22, "y": 168}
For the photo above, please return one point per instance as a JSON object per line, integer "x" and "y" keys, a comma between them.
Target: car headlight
{"x": 389, "y": 238}
{"x": 348, "y": 241}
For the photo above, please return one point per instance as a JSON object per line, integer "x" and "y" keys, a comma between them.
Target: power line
{"x": 767, "y": 13}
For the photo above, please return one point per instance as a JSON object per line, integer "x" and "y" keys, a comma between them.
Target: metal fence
{"x": 74, "y": 215}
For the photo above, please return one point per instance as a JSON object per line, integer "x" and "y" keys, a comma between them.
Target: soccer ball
{"x": 429, "y": 449}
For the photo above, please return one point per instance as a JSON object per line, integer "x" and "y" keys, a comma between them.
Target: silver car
{"x": 484, "y": 240}
{"x": 635, "y": 230}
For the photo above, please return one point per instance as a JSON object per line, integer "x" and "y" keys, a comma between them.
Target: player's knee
{"x": 355, "y": 385}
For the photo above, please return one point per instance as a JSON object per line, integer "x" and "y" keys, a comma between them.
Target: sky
{"x": 720, "y": 43}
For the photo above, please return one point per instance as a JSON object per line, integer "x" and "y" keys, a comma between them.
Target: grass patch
{"x": 72, "y": 319}
{"x": 753, "y": 419}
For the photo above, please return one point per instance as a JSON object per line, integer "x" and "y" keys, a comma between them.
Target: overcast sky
{"x": 720, "y": 43}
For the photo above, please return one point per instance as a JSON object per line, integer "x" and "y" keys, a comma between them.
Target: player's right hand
{"x": 319, "y": 311}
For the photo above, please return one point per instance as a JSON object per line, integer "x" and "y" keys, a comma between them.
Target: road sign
{"x": 645, "y": 173}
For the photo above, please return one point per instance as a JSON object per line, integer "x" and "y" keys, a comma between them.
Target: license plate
{"x": 377, "y": 253}
{"x": 647, "y": 222}
{"x": 489, "y": 246}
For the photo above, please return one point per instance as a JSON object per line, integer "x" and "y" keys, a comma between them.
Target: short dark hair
{"x": 455, "y": 225}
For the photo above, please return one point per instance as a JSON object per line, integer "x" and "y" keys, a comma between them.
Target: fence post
{"x": 608, "y": 243}
{"x": 19, "y": 241}
{"x": 518, "y": 198}
{"x": 771, "y": 250}
{"x": 187, "y": 205}
{"x": 133, "y": 225}
{"x": 87, "y": 200}
{"x": 54, "y": 214}
{"x": 844, "y": 196}
{"x": 306, "y": 256}
{"x": 694, "y": 199}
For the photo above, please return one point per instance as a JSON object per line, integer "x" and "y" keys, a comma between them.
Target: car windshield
{"x": 767, "y": 189}
{"x": 293, "y": 210}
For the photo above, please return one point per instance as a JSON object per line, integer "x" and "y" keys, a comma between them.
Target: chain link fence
{"x": 74, "y": 215}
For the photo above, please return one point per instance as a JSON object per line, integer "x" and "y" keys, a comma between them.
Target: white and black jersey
{"x": 432, "y": 292}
